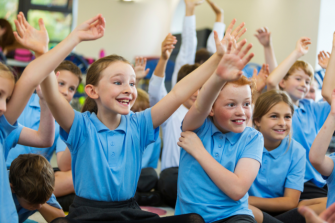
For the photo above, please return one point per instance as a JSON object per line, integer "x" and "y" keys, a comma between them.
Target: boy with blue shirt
{"x": 32, "y": 182}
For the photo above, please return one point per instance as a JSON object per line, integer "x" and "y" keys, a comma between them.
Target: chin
{"x": 238, "y": 129}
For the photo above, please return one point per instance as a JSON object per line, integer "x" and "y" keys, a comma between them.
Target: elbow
{"x": 325, "y": 94}
{"x": 270, "y": 83}
{"x": 47, "y": 143}
{"x": 237, "y": 194}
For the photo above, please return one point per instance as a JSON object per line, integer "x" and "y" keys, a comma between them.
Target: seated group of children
{"x": 234, "y": 149}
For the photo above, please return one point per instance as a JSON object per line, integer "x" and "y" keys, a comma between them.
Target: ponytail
{"x": 90, "y": 105}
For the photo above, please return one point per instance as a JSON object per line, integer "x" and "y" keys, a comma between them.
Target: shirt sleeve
{"x": 296, "y": 173}
{"x": 60, "y": 145}
{"x": 219, "y": 27}
{"x": 144, "y": 125}
{"x": 5, "y": 128}
{"x": 188, "y": 46}
{"x": 78, "y": 132}
{"x": 53, "y": 202}
{"x": 202, "y": 129}
{"x": 321, "y": 111}
{"x": 254, "y": 146}
{"x": 156, "y": 89}
{"x": 12, "y": 139}
{"x": 330, "y": 179}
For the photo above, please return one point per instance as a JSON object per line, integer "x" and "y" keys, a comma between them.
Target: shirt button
{"x": 216, "y": 155}
{"x": 113, "y": 154}
{"x": 220, "y": 146}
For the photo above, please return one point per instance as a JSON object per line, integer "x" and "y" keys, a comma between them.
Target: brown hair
{"x": 267, "y": 100}
{"x": 300, "y": 64}
{"x": 8, "y": 37}
{"x": 69, "y": 66}
{"x": 185, "y": 70}
{"x": 7, "y": 72}
{"x": 32, "y": 178}
{"x": 142, "y": 101}
{"x": 202, "y": 55}
{"x": 93, "y": 77}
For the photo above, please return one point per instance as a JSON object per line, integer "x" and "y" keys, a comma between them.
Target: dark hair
{"x": 202, "y": 55}
{"x": 93, "y": 77}
{"x": 8, "y": 37}
{"x": 185, "y": 70}
{"x": 69, "y": 66}
{"x": 32, "y": 178}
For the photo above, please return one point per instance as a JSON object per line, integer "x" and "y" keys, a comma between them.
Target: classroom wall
{"x": 139, "y": 28}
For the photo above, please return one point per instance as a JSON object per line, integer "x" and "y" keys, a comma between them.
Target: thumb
{"x": 254, "y": 75}
{"x": 41, "y": 24}
{"x": 309, "y": 215}
{"x": 147, "y": 71}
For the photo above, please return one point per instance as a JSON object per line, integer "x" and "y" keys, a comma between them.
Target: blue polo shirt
{"x": 307, "y": 120}
{"x": 7, "y": 208}
{"x": 106, "y": 164}
{"x": 283, "y": 167}
{"x": 151, "y": 154}
{"x": 331, "y": 184}
{"x": 24, "y": 213}
{"x": 30, "y": 118}
{"x": 197, "y": 193}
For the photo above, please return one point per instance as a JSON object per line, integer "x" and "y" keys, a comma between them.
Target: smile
{"x": 124, "y": 101}
{"x": 239, "y": 121}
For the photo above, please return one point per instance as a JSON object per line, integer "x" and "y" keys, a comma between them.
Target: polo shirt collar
{"x": 231, "y": 136}
{"x": 101, "y": 127}
{"x": 301, "y": 106}
{"x": 34, "y": 101}
{"x": 281, "y": 149}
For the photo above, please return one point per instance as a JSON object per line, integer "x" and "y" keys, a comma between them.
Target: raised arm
{"x": 260, "y": 81}
{"x": 192, "y": 82}
{"x": 323, "y": 59}
{"x": 45, "y": 135}
{"x": 317, "y": 154}
{"x": 219, "y": 26}
{"x": 157, "y": 88}
{"x": 229, "y": 69}
{"x": 329, "y": 79}
{"x": 139, "y": 68}
{"x": 264, "y": 37}
{"x": 279, "y": 73}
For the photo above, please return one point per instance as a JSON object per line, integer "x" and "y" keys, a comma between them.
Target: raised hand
{"x": 232, "y": 63}
{"x": 218, "y": 11}
{"x": 29, "y": 37}
{"x": 264, "y": 36}
{"x": 302, "y": 46}
{"x": 260, "y": 79}
{"x": 221, "y": 46}
{"x": 193, "y": 3}
{"x": 92, "y": 29}
{"x": 168, "y": 46}
{"x": 323, "y": 59}
{"x": 140, "y": 64}
{"x": 190, "y": 142}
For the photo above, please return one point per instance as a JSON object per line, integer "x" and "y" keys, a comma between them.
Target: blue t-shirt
{"x": 24, "y": 213}
{"x": 7, "y": 208}
{"x": 110, "y": 159}
{"x": 30, "y": 118}
{"x": 331, "y": 184}
{"x": 151, "y": 154}
{"x": 197, "y": 193}
{"x": 307, "y": 120}
{"x": 283, "y": 167}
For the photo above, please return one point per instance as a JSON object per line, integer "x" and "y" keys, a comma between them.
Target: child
{"x": 107, "y": 141}
{"x": 221, "y": 158}
{"x": 10, "y": 110}
{"x": 280, "y": 180}
{"x": 167, "y": 183}
{"x": 32, "y": 182}
{"x": 295, "y": 77}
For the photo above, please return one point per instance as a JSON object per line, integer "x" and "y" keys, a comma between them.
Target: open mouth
{"x": 124, "y": 102}
{"x": 280, "y": 131}
{"x": 238, "y": 121}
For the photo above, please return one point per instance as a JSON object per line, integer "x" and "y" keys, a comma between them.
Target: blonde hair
{"x": 142, "y": 101}
{"x": 6, "y": 72}
{"x": 302, "y": 65}
{"x": 94, "y": 75}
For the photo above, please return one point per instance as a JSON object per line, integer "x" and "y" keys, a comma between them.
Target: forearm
{"x": 160, "y": 68}
{"x": 278, "y": 204}
{"x": 46, "y": 129}
{"x": 270, "y": 57}
{"x": 329, "y": 79}
{"x": 50, "y": 213}
{"x": 201, "y": 108}
{"x": 317, "y": 154}
{"x": 280, "y": 71}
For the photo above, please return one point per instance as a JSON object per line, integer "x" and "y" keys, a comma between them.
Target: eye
{"x": 308, "y": 82}
{"x": 288, "y": 116}
{"x": 117, "y": 82}
{"x": 273, "y": 116}
{"x": 298, "y": 78}
{"x": 60, "y": 83}
{"x": 247, "y": 104}
{"x": 72, "y": 89}
{"x": 132, "y": 84}
{"x": 230, "y": 105}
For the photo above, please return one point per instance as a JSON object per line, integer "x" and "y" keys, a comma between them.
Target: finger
{"x": 21, "y": 22}
{"x": 17, "y": 37}
{"x": 328, "y": 54}
{"x": 308, "y": 214}
{"x": 254, "y": 75}
{"x": 216, "y": 38}
{"x": 266, "y": 30}
{"x": 229, "y": 47}
{"x": 240, "y": 33}
{"x": 25, "y": 23}
{"x": 230, "y": 27}
{"x": 239, "y": 46}
{"x": 267, "y": 69}
{"x": 237, "y": 30}
{"x": 245, "y": 51}
{"x": 328, "y": 212}
{"x": 41, "y": 24}
{"x": 247, "y": 59}
{"x": 92, "y": 20}
{"x": 147, "y": 71}
{"x": 19, "y": 28}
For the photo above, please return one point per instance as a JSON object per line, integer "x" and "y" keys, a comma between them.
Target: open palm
{"x": 92, "y": 29}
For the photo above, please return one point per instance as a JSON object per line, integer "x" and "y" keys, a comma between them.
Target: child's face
{"x": 276, "y": 124}
{"x": 312, "y": 90}
{"x": 297, "y": 84}
{"x": 117, "y": 88}
{"x": 189, "y": 102}
{"x": 6, "y": 90}
{"x": 67, "y": 84}
{"x": 232, "y": 109}
{"x": 27, "y": 205}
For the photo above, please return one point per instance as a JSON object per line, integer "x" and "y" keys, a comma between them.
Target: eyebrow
{"x": 120, "y": 74}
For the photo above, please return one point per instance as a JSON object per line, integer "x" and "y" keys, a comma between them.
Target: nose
{"x": 3, "y": 106}
{"x": 282, "y": 122}
{"x": 64, "y": 91}
{"x": 239, "y": 110}
{"x": 127, "y": 89}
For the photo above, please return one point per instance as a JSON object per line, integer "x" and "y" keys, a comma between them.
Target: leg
{"x": 312, "y": 191}
{"x": 257, "y": 213}
{"x": 148, "y": 180}
{"x": 291, "y": 216}
{"x": 167, "y": 185}
{"x": 318, "y": 205}
{"x": 63, "y": 183}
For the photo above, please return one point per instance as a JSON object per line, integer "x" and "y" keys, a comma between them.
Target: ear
{"x": 257, "y": 123}
{"x": 11, "y": 188}
{"x": 212, "y": 112}
{"x": 282, "y": 83}
{"x": 91, "y": 91}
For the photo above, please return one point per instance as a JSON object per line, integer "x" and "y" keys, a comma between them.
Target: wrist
{"x": 198, "y": 152}
{"x": 190, "y": 10}
{"x": 74, "y": 37}
{"x": 296, "y": 54}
